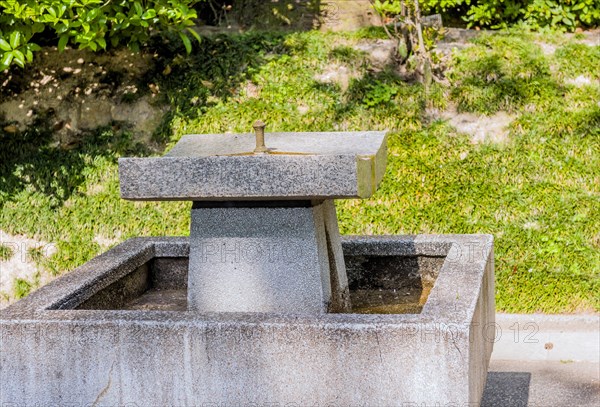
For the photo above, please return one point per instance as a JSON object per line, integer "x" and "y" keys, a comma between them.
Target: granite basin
{"x": 116, "y": 331}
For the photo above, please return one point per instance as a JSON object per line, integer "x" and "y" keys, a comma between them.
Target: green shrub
{"x": 93, "y": 24}
{"x": 567, "y": 14}
{"x": 559, "y": 14}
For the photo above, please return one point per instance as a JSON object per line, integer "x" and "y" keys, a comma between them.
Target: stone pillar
{"x": 278, "y": 256}
{"x": 340, "y": 292}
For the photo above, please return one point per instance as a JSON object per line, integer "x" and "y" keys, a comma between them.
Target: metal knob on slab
{"x": 259, "y": 130}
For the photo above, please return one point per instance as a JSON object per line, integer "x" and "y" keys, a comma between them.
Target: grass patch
{"x": 349, "y": 56}
{"x": 70, "y": 197}
{"x": 525, "y": 194}
{"x": 21, "y": 288}
{"x": 6, "y": 252}
{"x": 369, "y": 33}
{"x": 501, "y": 72}
{"x": 538, "y": 193}
{"x": 578, "y": 59}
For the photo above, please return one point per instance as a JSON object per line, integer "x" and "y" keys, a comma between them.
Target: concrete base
{"x": 55, "y": 350}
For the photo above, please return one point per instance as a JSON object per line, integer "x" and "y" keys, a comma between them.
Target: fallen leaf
{"x": 11, "y": 128}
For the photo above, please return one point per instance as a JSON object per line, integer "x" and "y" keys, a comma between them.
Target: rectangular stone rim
{"x": 63, "y": 292}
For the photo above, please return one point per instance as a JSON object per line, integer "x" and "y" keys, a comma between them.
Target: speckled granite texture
{"x": 264, "y": 259}
{"x": 221, "y": 167}
{"x": 53, "y": 354}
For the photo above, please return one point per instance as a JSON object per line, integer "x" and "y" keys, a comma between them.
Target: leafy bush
{"x": 561, "y": 14}
{"x": 93, "y": 24}
{"x": 567, "y": 13}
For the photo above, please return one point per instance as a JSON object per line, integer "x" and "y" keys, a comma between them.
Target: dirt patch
{"x": 107, "y": 242}
{"x": 480, "y": 128}
{"x": 21, "y": 264}
{"x": 547, "y": 49}
{"x": 580, "y": 81}
{"x": 338, "y": 74}
{"x": 588, "y": 37}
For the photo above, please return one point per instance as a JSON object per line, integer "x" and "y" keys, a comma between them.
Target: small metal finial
{"x": 259, "y": 129}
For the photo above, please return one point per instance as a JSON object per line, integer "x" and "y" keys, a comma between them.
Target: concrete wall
{"x": 347, "y": 15}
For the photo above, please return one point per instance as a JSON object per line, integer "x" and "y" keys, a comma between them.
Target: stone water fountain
{"x": 264, "y": 304}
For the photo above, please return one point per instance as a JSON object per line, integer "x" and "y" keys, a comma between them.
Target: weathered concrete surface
{"x": 265, "y": 259}
{"x": 548, "y": 337}
{"x": 54, "y": 354}
{"x": 221, "y": 167}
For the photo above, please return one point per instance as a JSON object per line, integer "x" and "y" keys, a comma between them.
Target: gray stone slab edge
{"x": 196, "y": 169}
{"x": 235, "y": 178}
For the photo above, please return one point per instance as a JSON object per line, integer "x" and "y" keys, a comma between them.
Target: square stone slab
{"x": 223, "y": 167}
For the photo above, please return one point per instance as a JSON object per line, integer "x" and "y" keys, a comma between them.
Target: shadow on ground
{"x": 506, "y": 389}
{"x": 537, "y": 383}
{"x": 33, "y": 161}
